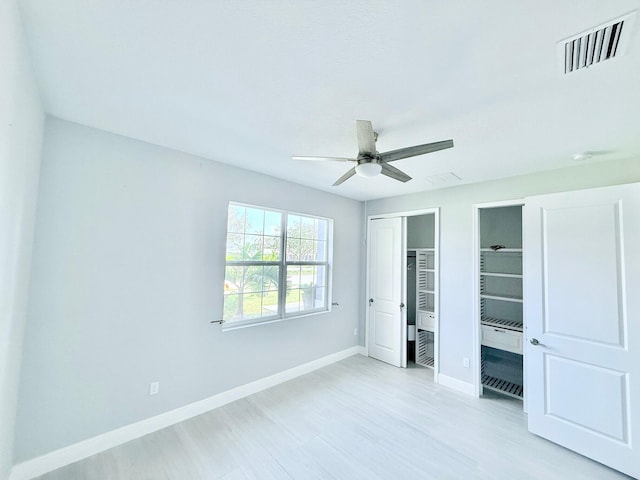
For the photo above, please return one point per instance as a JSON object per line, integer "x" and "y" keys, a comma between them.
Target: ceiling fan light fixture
{"x": 368, "y": 170}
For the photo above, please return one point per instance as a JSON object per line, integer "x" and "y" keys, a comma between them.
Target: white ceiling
{"x": 252, "y": 82}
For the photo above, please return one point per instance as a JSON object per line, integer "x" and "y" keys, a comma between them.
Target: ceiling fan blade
{"x": 329, "y": 159}
{"x": 366, "y": 137}
{"x": 345, "y": 177}
{"x": 394, "y": 155}
{"x": 394, "y": 173}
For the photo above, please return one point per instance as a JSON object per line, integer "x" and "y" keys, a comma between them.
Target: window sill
{"x": 228, "y": 326}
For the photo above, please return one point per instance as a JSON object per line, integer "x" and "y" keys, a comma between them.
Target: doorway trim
{"x": 404, "y": 214}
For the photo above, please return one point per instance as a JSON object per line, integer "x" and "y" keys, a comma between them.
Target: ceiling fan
{"x": 370, "y": 162}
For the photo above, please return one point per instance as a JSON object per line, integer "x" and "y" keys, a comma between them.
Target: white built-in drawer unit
{"x": 426, "y": 321}
{"x": 502, "y": 338}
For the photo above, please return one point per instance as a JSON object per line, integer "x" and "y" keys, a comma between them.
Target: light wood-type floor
{"x": 356, "y": 419}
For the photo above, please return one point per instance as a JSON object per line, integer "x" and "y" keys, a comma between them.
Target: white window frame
{"x": 282, "y": 263}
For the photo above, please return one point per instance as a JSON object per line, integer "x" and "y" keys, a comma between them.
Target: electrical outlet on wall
{"x": 154, "y": 388}
{"x": 355, "y": 331}
{"x": 465, "y": 362}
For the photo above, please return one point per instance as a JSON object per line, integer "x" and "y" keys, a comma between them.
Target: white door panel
{"x": 582, "y": 272}
{"x": 385, "y": 290}
{"x": 384, "y": 331}
{"x": 582, "y": 304}
{"x": 383, "y": 241}
{"x": 599, "y": 414}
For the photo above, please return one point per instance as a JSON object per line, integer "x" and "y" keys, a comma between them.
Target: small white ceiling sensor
{"x": 579, "y": 157}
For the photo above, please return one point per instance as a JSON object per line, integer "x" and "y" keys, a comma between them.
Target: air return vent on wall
{"x": 595, "y": 45}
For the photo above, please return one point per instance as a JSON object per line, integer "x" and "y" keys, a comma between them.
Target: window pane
{"x": 259, "y": 278}
{"x": 293, "y": 289}
{"x": 252, "y": 248}
{"x": 233, "y": 280}
{"x": 311, "y": 297}
{"x": 271, "y": 249}
{"x": 307, "y": 250}
{"x": 253, "y": 279}
{"x": 269, "y": 303}
{"x": 307, "y": 228}
{"x": 293, "y": 226}
{"x": 235, "y": 219}
{"x": 251, "y": 305}
{"x": 250, "y": 292}
{"x": 320, "y": 276}
{"x": 307, "y": 275}
{"x": 308, "y": 297}
{"x": 254, "y": 221}
{"x": 321, "y": 251}
{"x": 319, "y": 300}
{"x": 293, "y": 300}
{"x": 271, "y": 278}
{"x": 293, "y": 249}
{"x": 305, "y": 287}
{"x": 235, "y": 246}
{"x": 322, "y": 229}
{"x": 293, "y": 276}
{"x": 272, "y": 223}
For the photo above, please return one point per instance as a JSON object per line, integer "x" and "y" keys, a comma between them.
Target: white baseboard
{"x": 86, "y": 448}
{"x": 455, "y": 384}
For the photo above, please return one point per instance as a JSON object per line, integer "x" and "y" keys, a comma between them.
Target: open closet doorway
{"x": 499, "y": 324}
{"x": 402, "y": 288}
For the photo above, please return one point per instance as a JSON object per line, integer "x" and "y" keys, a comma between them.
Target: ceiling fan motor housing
{"x": 366, "y": 158}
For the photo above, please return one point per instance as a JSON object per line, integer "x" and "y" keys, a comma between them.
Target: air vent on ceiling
{"x": 442, "y": 179}
{"x": 595, "y": 45}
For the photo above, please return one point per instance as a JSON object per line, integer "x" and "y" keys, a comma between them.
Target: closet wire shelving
{"x": 425, "y": 294}
{"x": 503, "y": 386}
{"x": 504, "y": 270}
{"x": 501, "y": 283}
{"x": 500, "y": 322}
{"x": 500, "y": 385}
{"x": 425, "y": 351}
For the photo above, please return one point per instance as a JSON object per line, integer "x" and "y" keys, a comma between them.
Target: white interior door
{"x": 582, "y": 307}
{"x": 385, "y": 290}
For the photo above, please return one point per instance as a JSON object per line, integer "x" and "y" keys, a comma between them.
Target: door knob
{"x": 402, "y": 305}
{"x": 534, "y": 341}
{"x": 370, "y": 301}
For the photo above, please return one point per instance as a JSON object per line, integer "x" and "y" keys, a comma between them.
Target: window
{"x": 277, "y": 264}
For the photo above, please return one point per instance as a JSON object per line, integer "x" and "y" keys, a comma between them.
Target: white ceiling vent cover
{"x": 595, "y": 45}
{"x": 442, "y": 179}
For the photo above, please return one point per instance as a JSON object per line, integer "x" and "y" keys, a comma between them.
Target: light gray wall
{"x": 456, "y": 240}
{"x": 128, "y": 270}
{"x": 21, "y": 123}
